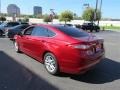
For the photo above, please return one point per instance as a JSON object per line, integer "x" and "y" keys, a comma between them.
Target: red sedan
{"x": 60, "y": 48}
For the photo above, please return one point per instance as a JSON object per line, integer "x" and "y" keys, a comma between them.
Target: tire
{"x": 16, "y": 46}
{"x": 50, "y": 63}
{"x": 1, "y": 33}
{"x": 91, "y": 30}
{"x": 97, "y": 30}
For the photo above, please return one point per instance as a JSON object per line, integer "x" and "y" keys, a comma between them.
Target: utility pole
{"x": 0, "y": 7}
{"x": 101, "y": 6}
{"x": 100, "y": 10}
{"x": 96, "y": 8}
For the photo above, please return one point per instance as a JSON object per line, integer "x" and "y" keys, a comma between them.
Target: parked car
{"x": 6, "y": 25}
{"x": 10, "y": 32}
{"x": 1, "y": 23}
{"x": 60, "y": 48}
{"x": 90, "y": 26}
{"x": 69, "y": 25}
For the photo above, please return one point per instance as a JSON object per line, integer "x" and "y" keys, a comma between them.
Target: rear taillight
{"x": 81, "y": 46}
{"x": 77, "y": 46}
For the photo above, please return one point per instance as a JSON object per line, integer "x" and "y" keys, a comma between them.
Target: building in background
{"x": 13, "y": 10}
{"x": 37, "y": 10}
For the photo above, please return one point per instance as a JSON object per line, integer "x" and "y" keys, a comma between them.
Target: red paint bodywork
{"x": 70, "y": 60}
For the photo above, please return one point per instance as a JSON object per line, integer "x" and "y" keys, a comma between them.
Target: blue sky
{"x": 110, "y": 8}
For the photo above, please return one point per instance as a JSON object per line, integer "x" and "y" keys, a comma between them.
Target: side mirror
{"x": 20, "y": 34}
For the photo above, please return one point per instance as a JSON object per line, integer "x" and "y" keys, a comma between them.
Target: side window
{"x": 41, "y": 31}
{"x": 23, "y": 27}
{"x": 50, "y": 33}
{"x": 28, "y": 31}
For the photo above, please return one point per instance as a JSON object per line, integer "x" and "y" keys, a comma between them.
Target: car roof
{"x": 48, "y": 25}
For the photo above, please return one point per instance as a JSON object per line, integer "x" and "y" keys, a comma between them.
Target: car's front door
{"x": 25, "y": 40}
{"x": 38, "y": 41}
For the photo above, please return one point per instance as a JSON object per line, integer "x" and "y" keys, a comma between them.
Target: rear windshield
{"x": 74, "y": 32}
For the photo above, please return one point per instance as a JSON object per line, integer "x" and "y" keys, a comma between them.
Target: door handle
{"x": 42, "y": 41}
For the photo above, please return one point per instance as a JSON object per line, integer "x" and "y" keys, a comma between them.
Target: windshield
{"x": 3, "y": 24}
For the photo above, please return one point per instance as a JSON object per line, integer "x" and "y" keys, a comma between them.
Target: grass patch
{"x": 110, "y": 27}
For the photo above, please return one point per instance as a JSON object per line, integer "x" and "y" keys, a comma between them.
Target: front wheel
{"x": 51, "y": 64}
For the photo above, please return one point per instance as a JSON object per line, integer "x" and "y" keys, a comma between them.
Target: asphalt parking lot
{"x": 20, "y": 72}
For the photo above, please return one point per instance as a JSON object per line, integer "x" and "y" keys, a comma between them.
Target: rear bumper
{"x": 83, "y": 65}
{"x": 87, "y": 67}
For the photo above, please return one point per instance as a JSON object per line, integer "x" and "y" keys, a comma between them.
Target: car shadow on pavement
{"x": 14, "y": 76}
{"x": 106, "y": 71}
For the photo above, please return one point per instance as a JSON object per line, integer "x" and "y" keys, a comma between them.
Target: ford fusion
{"x": 61, "y": 48}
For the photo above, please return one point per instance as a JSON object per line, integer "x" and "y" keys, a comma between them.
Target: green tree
{"x": 23, "y": 20}
{"x": 66, "y": 16}
{"x": 89, "y": 14}
{"x": 56, "y": 16}
{"x": 2, "y": 18}
{"x": 47, "y": 18}
{"x": 38, "y": 16}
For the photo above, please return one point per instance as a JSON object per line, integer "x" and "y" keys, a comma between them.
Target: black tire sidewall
{"x": 1, "y": 33}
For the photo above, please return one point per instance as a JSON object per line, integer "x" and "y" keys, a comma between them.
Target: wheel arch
{"x": 48, "y": 51}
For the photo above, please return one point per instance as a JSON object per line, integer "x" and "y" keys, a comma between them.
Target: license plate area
{"x": 98, "y": 47}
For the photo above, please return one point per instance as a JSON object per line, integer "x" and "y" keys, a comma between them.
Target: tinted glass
{"x": 90, "y": 23}
{"x": 24, "y": 26}
{"x": 50, "y": 33}
{"x": 20, "y": 27}
{"x": 16, "y": 27}
{"x": 28, "y": 31}
{"x": 3, "y": 24}
{"x": 41, "y": 31}
{"x": 74, "y": 32}
{"x": 12, "y": 24}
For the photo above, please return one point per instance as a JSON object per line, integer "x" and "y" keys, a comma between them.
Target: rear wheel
{"x": 97, "y": 30}
{"x": 16, "y": 46}
{"x": 51, "y": 64}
